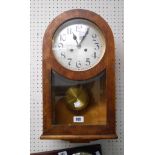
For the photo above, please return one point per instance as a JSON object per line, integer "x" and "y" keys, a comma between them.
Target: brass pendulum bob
{"x": 76, "y": 98}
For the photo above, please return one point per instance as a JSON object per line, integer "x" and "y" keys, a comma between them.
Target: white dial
{"x": 78, "y": 45}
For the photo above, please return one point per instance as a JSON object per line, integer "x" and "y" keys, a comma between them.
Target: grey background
{"x": 42, "y": 12}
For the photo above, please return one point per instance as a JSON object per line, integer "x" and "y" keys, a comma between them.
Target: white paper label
{"x": 77, "y": 104}
{"x": 62, "y": 153}
{"x": 78, "y": 119}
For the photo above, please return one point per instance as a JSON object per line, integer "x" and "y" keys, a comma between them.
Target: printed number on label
{"x": 78, "y": 119}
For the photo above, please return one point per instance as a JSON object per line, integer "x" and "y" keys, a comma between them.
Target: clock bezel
{"x": 74, "y": 54}
{"x": 77, "y": 14}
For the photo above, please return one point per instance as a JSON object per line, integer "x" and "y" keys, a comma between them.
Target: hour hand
{"x": 75, "y": 38}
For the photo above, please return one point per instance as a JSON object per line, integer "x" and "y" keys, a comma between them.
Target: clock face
{"x": 78, "y": 45}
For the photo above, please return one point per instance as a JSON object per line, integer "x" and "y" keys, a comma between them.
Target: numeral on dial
{"x": 78, "y": 28}
{"x": 94, "y": 35}
{"x": 78, "y": 64}
{"x": 69, "y": 61}
{"x": 69, "y": 30}
{"x": 87, "y": 61}
{"x": 95, "y": 55}
{"x": 60, "y": 45}
{"x": 62, "y": 37}
{"x": 97, "y": 45}
{"x": 63, "y": 55}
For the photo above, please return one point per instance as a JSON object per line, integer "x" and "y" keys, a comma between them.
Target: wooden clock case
{"x": 78, "y": 133}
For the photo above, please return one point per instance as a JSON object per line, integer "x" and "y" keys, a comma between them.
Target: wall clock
{"x": 78, "y": 78}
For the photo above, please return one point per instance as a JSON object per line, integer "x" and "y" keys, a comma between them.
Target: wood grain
{"x": 50, "y": 64}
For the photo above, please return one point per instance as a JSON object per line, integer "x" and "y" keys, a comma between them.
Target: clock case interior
{"x": 98, "y": 82}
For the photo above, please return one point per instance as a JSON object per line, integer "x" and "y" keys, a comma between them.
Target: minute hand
{"x": 79, "y": 45}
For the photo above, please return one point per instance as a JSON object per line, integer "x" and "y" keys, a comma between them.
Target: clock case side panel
{"x": 110, "y": 68}
{"x": 47, "y": 100}
{"x": 75, "y": 133}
